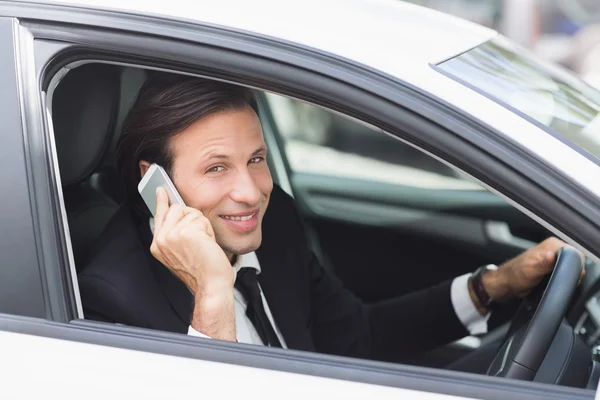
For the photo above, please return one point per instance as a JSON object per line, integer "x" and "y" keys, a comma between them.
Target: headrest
{"x": 84, "y": 111}
{"x": 132, "y": 79}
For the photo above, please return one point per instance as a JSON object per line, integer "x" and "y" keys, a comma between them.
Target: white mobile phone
{"x": 155, "y": 177}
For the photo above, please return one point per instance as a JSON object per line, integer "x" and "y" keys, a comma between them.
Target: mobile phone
{"x": 154, "y": 178}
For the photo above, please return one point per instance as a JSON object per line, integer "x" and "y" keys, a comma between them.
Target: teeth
{"x": 246, "y": 218}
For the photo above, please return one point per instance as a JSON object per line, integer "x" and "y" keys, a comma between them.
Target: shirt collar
{"x": 248, "y": 260}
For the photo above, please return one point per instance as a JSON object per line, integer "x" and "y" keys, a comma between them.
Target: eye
{"x": 216, "y": 168}
{"x": 256, "y": 160}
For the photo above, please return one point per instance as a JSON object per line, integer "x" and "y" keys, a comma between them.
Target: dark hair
{"x": 166, "y": 105}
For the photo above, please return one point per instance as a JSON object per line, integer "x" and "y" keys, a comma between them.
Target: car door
{"x": 60, "y": 36}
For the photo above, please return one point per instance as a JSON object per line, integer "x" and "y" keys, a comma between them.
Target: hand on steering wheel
{"x": 523, "y": 351}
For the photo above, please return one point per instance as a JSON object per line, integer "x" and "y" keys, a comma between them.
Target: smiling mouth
{"x": 239, "y": 217}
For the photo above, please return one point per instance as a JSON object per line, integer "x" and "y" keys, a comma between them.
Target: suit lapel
{"x": 282, "y": 300}
{"x": 176, "y": 292}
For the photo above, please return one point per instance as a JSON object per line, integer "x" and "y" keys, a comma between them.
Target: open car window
{"x": 321, "y": 142}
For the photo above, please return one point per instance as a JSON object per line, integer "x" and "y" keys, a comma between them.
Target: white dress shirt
{"x": 245, "y": 330}
{"x": 464, "y": 308}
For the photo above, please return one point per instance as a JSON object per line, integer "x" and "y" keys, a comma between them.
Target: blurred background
{"x": 566, "y": 32}
{"x": 563, "y": 31}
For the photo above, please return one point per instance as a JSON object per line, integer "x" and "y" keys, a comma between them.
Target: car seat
{"x": 85, "y": 108}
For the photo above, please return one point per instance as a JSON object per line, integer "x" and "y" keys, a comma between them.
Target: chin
{"x": 242, "y": 246}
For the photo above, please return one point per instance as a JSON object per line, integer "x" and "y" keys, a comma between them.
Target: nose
{"x": 245, "y": 189}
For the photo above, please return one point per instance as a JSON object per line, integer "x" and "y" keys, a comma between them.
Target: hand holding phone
{"x": 185, "y": 243}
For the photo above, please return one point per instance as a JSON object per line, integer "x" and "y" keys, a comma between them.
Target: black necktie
{"x": 247, "y": 283}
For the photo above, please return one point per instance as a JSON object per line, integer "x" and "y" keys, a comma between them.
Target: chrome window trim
{"x": 63, "y": 210}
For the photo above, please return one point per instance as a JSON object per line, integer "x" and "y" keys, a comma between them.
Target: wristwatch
{"x": 477, "y": 284}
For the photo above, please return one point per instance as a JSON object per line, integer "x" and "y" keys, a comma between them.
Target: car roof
{"x": 390, "y": 35}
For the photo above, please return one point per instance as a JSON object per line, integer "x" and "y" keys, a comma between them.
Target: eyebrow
{"x": 261, "y": 149}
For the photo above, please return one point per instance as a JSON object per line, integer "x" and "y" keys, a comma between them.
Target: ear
{"x": 144, "y": 165}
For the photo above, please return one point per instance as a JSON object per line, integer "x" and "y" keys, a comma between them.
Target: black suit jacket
{"x": 124, "y": 283}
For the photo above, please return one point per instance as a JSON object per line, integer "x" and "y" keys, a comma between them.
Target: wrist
{"x": 485, "y": 288}
{"x": 214, "y": 315}
{"x": 478, "y": 305}
{"x": 213, "y": 300}
{"x": 211, "y": 286}
{"x": 495, "y": 285}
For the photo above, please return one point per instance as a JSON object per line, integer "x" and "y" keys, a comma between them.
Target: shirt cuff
{"x": 464, "y": 308}
{"x": 193, "y": 332}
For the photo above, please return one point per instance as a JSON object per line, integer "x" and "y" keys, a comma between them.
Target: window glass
{"x": 562, "y": 103}
{"x": 321, "y": 142}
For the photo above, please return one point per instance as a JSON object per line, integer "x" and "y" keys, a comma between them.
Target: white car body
{"x": 136, "y": 374}
{"x": 398, "y": 39}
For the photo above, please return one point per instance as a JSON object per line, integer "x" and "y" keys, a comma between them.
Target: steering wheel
{"x": 537, "y": 321}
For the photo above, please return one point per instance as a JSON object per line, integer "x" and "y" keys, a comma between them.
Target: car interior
{"x": 358, "y": 228}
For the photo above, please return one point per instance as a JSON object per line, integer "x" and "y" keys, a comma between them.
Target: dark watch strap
{"x": 477, "y": 284}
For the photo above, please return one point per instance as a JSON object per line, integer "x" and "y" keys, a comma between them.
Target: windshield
{"x": 555, "y": 99}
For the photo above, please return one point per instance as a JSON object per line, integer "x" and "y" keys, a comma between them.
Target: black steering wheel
{"x": 537, "y": 321}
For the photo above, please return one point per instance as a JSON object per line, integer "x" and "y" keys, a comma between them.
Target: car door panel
{"x": 432, "y": 235}
{"x": 21, "y": 290}
{"x": 87, "y": 352}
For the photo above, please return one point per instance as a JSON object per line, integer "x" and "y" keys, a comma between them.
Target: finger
{"x": 162, "y": 207}
{"x": 174, "y": 214}
{"x": 187, "y": 220}
{"x": 192, "y": 210}
{"x": 209, "y": 229}
{"x": 193, "y": 226}
{"x": 207, "y": 226}
{"x": 549, "y": 257}
{"x": 553, "y": 243}
{"x": 546, "y": 262}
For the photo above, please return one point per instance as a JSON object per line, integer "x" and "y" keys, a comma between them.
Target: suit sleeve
{"x": 104, "y": 302}
{"x": 388, "y": 330}
{"x": 341, "y": 324}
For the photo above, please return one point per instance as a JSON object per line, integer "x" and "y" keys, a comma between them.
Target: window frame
{"x": 379, "y": 100}
{"x": 22, "y": 288}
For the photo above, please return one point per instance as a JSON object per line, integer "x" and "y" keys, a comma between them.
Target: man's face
{"x": 220, "y": 168}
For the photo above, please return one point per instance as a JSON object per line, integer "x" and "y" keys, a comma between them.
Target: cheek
{"x": 264, "y": 182}
{"x": 202, "y": 194}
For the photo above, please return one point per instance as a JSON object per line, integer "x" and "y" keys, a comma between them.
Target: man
{"x": 235, "y": 263}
